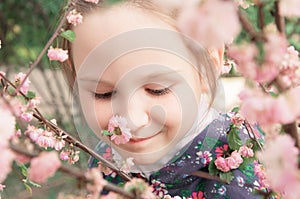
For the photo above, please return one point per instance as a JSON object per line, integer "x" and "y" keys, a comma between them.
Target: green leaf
{"x": 69, "y": 35}
{"x": 33, "y": 184}
{"x": 246, "y": 162}
{"x": 234, "y": 140}
{"x": 227, "y": 176}
{"x": 235, "y": 109}
{"x": 28, "y": 188}
{"x": 10, "y": 90}
{"x": 23, "y": 170}
{"x": 212, "y": 169}
{"x": 107, "y": 133}
{"x": 211, "y": 142}
{"x": 30, "y": 94}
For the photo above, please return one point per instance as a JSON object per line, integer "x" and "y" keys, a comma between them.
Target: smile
{"x": 134, "y": 140}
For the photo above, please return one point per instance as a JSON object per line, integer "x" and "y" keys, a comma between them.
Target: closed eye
{"x": 157, "y": 92}
{"x": 104, "y": 96}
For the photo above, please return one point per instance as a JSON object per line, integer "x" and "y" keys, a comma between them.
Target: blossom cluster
{"x": 57, "y": 54}
{"x": 117, "y": 130}
{"x": 234, "y": 160}
{"x": 18, "y": 110}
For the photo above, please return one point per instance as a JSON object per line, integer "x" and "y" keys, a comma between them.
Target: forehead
{"x": 102, "y": 25}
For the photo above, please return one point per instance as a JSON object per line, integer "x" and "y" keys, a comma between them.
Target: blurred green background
{"x": 25, "y": 27}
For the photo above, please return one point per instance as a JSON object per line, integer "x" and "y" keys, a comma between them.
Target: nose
{"x": 137, "y": 113}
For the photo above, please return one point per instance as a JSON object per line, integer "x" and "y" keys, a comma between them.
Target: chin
{"x": 144, "y": 156}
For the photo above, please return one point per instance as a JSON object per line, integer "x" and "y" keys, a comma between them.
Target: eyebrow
{"x": 160, "y": 74}
{"x": 150, "y": 76}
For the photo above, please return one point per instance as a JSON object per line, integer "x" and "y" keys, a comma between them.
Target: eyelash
{"x": 157, "y": 92}
{"x": 154, "y": 92}
{"x": 104, "y": 96}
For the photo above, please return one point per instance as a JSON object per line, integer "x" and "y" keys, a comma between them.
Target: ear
{"x": 217, "y": 57}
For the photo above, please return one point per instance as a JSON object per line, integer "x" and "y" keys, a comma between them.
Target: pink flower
{"x": 27, "y": 117}
{"x": 141, "y": 187}
{"x": 71, "y": 155}
{"x": 59, "y": 143}
{"x": 33, "y": 103}
{"x": 259, "y": 171}
{"x": 92, "y": 1}
{"x": 97, "y": 182}
{"x": 222, "y": 164}
{"x": 46, "y": 139}
{"x": 246, "y": 151}
{"x": 25, "y": 86}
{"x": 2, "y": 186}
{"x": 280, "y": 159}
{"x": 159, "y": 188}
{"x": 33, "y": 133}
{"x": 287, "y": 108}
{"x": 57, "y": 54}
{"x": 7, "y": 126}
{"x": 205, "y": 157}
{"x": 275, "y": 48}
{"x": 234, "y": 160}
{"x": 290, "y": 69}
{"x": 43, "y": 166}
{"x": 220, "y": 151}
{"x": 6, "y": 159}
{"x": 117, "y": 126}
{"x": 74, "y": 17}
{"x": 64, "y": 155}
{"x": 237, "y": 119}
{"x": 259, "y": 107}
{"x": 2, "y": 73}
{"x": 244, "y": 3}
{"x": 244, "y": 57}
{"x": 200, "y": 22}
{"x": 198, "y": 195}
{"x": 18, "y": 133}
{"x": 289, "y": 8}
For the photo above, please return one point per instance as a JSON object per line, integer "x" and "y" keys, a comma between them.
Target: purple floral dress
{"x": 177, "y": 177}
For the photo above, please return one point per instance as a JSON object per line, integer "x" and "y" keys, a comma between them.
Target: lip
{"x": 138, "y": 140}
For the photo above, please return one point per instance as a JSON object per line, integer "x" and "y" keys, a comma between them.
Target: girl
{"x": 147, "y": 92}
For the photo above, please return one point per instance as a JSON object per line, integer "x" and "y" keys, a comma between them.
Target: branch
{"x": 70, "y": 139}
{"x": 261, "y": 20}
{"x": 76, "y": 173}
{"x": 279, "y": 20}
{"x": 206, "y": 175}
{"x": 255, "y": 36}
{"x": 46, "y": 47}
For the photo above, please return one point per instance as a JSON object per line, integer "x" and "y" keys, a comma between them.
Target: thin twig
{"x": 206, "y": 175}
{"x": 252, "y": 134}
{"x": 46, "y": 47}
{"x": 76, "y": 173}
{"x": 70, "y": 139}
{"x": 279, "y": 20}
{"x": 260, "y": 13}
{"x": 256, "y": 36}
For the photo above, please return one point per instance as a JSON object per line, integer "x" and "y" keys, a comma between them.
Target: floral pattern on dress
{"x": 177, "y": 177}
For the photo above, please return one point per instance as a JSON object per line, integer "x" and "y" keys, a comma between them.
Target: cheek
{"x": 103, "y": 112}
{"x": 173, "y": 117}
{"x": 95, "y": 113}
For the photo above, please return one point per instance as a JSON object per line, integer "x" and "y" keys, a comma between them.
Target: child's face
{"x": 158, "y": 92}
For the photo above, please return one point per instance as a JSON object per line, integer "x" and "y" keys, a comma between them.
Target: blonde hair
{"x": 205, "y": 65}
